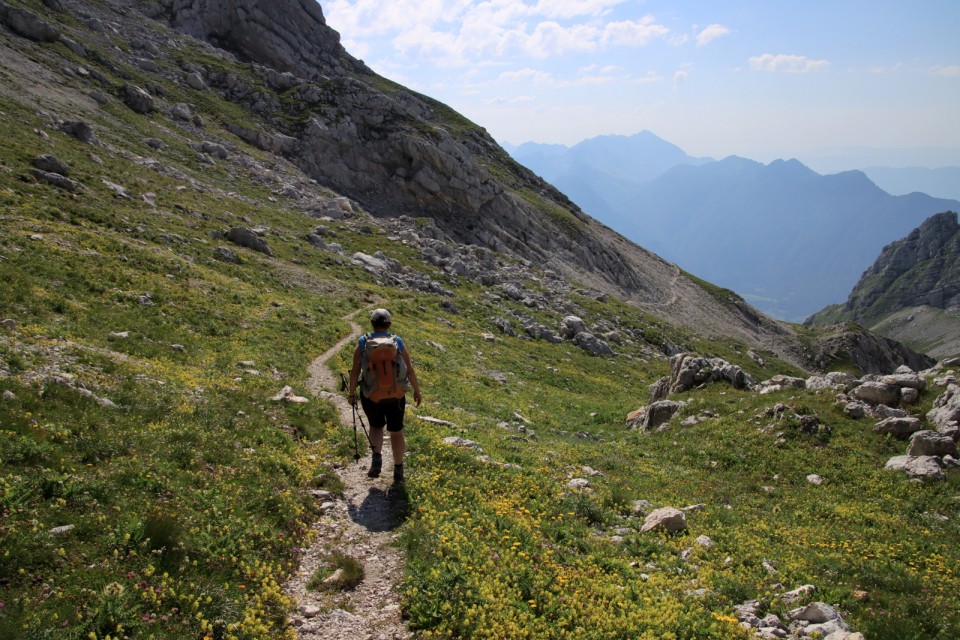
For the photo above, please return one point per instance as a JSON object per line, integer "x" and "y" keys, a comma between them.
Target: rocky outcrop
{"x": 868, "y": 352}
{"x": 288, "y": 35}
{"x": 921, "y": 269}
{"x": 28, "y": 24}
{"x": 654, "y": 416}
{"x": 946, "y": 408}
{"x": 911, "y": 278}
{"x": 688, "y": 371}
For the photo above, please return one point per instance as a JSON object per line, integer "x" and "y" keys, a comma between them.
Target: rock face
{"x": 946, "y": 408}
{"x": 28, "y": 24}
{"x": 288, "y": 35}
{"x": 688, "y": 371}
{"x": 919, "y": 272}
{"x": 921, "y": 269}
{"x": 870, "y": 353}
{"x": 654, "y": 415}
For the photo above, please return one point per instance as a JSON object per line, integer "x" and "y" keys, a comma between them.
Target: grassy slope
{"x": 189, "y": 501}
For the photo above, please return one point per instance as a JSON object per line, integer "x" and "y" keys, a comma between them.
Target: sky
{"x": 763, "y": 79}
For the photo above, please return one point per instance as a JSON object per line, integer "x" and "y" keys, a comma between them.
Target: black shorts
{"x": 385, "y": 412}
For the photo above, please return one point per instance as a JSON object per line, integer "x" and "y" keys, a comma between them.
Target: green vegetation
{"x": 341, "y": 573}
{"x": 723, "y": 295}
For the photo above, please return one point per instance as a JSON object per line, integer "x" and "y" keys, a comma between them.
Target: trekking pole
{"x": 356, "y": 414}
{"x": 356, "y": 444}
{"x": 363, "y": 426}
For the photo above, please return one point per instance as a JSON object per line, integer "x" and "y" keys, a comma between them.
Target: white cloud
{"x": 551, "y": 38}
{"x": 470, "y": 32}
{"x": 786, "y": 63}
{"x": 573, "y": 8}
{"x": 882, "y": 70}
{"x": 947, "y": 72}
{"x": 510, "y": 100}
{"x": 534, "y": 76}
{"x": 711, "y": 33}
{"x": 633, "y": 33}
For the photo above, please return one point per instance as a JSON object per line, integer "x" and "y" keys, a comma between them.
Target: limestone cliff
{"x": 912, "y": 291}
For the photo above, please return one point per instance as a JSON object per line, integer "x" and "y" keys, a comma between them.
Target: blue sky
{"x": 763, "y": 79}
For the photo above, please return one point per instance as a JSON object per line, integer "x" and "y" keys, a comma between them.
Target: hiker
{"x": 382, "y": 365}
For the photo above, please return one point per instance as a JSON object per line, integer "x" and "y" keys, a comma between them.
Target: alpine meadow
{"x": 198, "y": 199}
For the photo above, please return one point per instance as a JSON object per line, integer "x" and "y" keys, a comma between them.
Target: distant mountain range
{"x": 912, "y": 292}
{"x": 791, "y": 241}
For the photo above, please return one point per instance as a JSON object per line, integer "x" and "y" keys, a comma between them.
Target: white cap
{"x": 380, "y": 316}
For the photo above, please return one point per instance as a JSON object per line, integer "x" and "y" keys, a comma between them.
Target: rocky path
{"x": 362, "y": 525}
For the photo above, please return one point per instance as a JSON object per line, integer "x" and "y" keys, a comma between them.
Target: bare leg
{"x": 398, "y": 444}
{"x": 376, "y": 439}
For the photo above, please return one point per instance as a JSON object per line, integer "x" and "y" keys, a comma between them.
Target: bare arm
{"x": 412, "y": 375}
{"x": 354, "y": 377}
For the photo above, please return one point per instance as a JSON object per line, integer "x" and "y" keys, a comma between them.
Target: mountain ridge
{"x": 820, "y": 231}
{"x": 910, "y": 278}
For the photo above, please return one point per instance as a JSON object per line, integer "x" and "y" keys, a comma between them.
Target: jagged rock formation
{"x": 851, "y": 346}
{"x": 911, "y": 278}
{"x": 921, "y": 269}
{"x": 286, "y": 35}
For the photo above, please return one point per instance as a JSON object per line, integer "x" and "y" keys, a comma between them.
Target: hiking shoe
{"x": 398, "y": 473}
{"x": 375, "y": 465}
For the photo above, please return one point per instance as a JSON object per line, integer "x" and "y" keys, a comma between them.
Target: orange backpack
{"x": 383, "y": 372}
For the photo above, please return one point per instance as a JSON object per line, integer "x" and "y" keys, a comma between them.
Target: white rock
{"x": 917, "y": 466}
{"x": 666, "y": 518}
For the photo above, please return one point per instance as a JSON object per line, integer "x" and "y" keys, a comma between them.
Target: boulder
{"x": 57, "y": 180}
{"x": 898, "y": 427}
{"x": 457, "y": 441}
{"x": 195, "y": 81}
{"x": 28, "y": 24}
{"x": 592, "y": 344}
{"x": 659, "y": 389}
{"x": 79, "y": 130}
{"x": 815, "y": 613}
{"x": 785, "y": 382}
{"x": 137, "y": 99}
{"x": 688, "y": 371}
{"x": 833, "y": 380}
{"x": 946, "y": 408}
{"x": 246, "y": 238}
{"x": 855, "y": 409}
{"x": 653, "y": 415}
{"x": 798, "y": 594}
{"x": 877, "y": 393}
{"x": 571, "y": 326}
{"x": 287, "y": 395}
{"x": 923, "y": 467}
{"x": 51, "y": 164}
{"x": 226, "y": 255}
{"x": 908, "y": 395}
{"x": 931, "y": 443}
{"x": 667, "y": 518}
{"x": 906, "y": 379}
{"x": 181, "y": 111}
{"x": 215, "y": 149}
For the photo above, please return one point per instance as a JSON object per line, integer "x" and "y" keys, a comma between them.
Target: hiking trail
{"x": 361, "y": 524}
